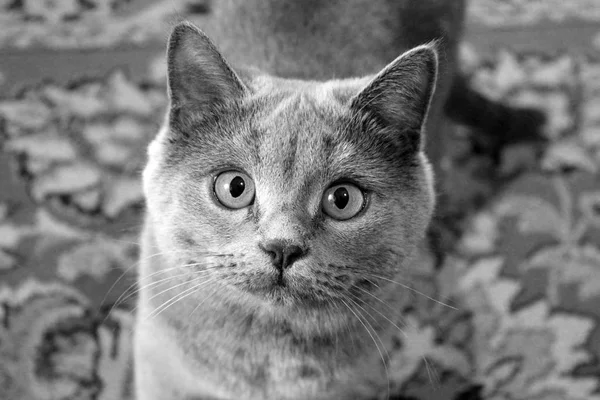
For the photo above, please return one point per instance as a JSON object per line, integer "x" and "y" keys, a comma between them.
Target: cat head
{"x": 290, "y": 194}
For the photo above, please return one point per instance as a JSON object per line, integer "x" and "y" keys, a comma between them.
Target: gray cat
{"x": 280, "y": 211}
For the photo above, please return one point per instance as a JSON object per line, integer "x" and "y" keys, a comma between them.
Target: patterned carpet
{"x": 524, "y": 275}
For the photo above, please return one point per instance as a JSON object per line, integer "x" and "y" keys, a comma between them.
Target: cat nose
{"x": 283, "y": 253}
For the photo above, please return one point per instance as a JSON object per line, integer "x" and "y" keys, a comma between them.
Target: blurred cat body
{"x": 337, "y": 39}
{"x": 218, "y": 316}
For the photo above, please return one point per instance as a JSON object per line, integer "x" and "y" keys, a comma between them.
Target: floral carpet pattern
{"x": 512, "y": 314}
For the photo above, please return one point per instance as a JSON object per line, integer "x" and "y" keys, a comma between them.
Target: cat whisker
{"x": 128, "y": 270}
{"x": 134, "y": 288}
{"x": 348, "y": 327}
{"x": 202, "y": 302}
{"x": 124, "y": 297}
{"x": 406, "y": 323}
{"x": 197, "y": 278}
{"x": 112, "y": 239}
{"x": 127, "y": 294}
{"x": 366, "y": 312}
{"x": 178, "y": 285}
{"x": 374, "y": 341}
{"x": 383, "y": 315}
{"x": 332, "y": 303}
{"x": 372, "y": 283}
{"x": 430, "y": 370}
{"x": 413, "y": 290}
{"x": 206, "y": 266}
{"x": 433, "y": 378}
{"x": 130, "y": 291}
{"x": 177, "y": 298}
{"x": 165, "y": 270}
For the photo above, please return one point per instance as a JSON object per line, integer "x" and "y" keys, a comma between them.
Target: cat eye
{"x": 343, "y": 201}
{"x": 234, "y": 189}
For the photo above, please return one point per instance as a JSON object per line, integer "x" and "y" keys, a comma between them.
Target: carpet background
{"x": 82, "y": 91}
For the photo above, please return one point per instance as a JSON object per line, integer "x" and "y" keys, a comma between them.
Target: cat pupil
{"x": 237, "y": 186}
{"x": 341, "y": 198}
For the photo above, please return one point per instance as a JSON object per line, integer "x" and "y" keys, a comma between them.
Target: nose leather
{"x": 283, "y": 253}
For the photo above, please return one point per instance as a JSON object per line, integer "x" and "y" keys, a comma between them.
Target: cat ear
{"x": 198, "y": 75}
{"x": 398, "y": 98}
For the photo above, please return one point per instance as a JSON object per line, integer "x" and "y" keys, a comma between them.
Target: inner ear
{"x": 398, "y": 98}
{"x": 198, "y": 75}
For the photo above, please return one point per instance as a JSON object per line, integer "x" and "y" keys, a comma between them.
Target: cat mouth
{"x": 280, "y": 290}
{"x": 275, "y": 292}
{"x": 274, "y": 288}
{"x": 281, "y": 280}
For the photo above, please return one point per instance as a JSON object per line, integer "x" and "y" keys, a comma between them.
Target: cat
{"x": 278, "y": 208}
{"x": 287, "y": 189}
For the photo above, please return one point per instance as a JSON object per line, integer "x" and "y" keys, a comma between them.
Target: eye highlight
{"x": 234, "y": 189}
{"x": 343, "y": 201}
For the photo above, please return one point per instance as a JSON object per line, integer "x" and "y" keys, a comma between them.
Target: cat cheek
{"x": 185, "y": 239}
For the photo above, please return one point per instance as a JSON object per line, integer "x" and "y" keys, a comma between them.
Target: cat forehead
{"x": 333, "y": 92}
{"x": 293, "y": 96}
{"x": 286, "y": 130}
{"x": 299, "y": 112}
{"x": 298, "y": 131}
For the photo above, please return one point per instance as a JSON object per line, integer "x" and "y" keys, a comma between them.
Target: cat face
{"x": 289, "y": 194}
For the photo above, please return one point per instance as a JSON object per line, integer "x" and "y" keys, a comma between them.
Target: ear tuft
{"x": 198, "y": 75}
{"x": 398, "y": 97}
